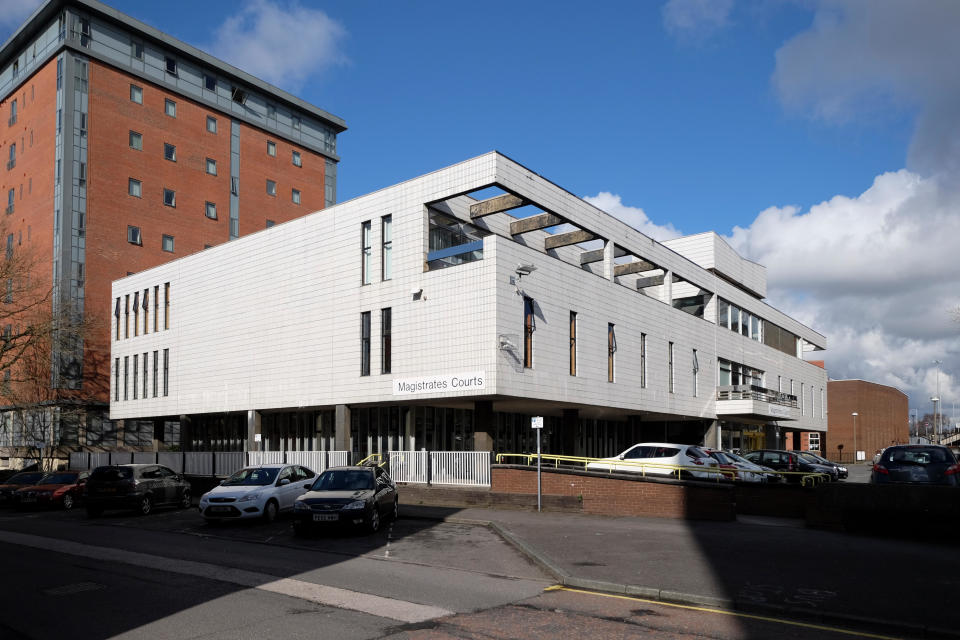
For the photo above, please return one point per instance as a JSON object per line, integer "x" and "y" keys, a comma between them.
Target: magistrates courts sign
{"x": 476, "y": 380}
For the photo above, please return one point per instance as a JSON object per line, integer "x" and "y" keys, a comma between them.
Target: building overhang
{"x": 756, "y": 410}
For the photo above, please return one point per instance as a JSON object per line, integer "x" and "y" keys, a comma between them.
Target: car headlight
{"x": 356, "y": 504}
{"x": 842, "y": 469}
{"x": 43, "y": 494}
{"x": 300, "y": 505}
{"x": 250, "y": 497}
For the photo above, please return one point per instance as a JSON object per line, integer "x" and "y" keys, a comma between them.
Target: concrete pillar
{"x": 569, "y": 426}
{"x": 666, "y": 291}
{"x": 712, "y": 438}
{"x": 484, "y": 425}
{"x": 341, "y": 428}
{"x": 608, "y": 257}
{"x": 254, "y": 427}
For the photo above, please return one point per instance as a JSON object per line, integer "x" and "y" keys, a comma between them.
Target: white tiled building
{"x": 442, "y": 313}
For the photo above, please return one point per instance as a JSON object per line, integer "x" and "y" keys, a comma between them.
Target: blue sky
{"x": 820, "y": 137}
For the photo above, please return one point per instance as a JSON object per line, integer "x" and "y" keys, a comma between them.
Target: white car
{"x": 257, "y": 492}
{"x": 662, "y": 459}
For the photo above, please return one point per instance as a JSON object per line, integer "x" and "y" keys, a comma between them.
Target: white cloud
{"x": 282, "y": 44}
{"x": 696, "y": 18}
{"x": 15, "y": 12}
{"x": 877, "y": 273}
{"x": 634, "y": 216}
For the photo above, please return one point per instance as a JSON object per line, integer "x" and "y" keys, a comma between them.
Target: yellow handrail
{"x": 373, "y": 456}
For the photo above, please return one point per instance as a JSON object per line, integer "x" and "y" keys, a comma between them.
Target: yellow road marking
{"x": 806, "y": 625}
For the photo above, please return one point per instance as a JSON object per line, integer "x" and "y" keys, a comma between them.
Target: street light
{"x": 936, "y": 402}
{"x": 936, "y": 405}
{"x": 854, "y": 414}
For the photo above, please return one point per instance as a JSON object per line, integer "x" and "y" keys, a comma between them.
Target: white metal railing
{"x": 79, "y": 460}
{"x": 264, "y": 457}
{"x": 316, "y": 461}
{"x": 120, "y": 457}
{"x": 466, "y": 468}
{"x": 171, "y": 459}
{"x": 338, "y": 458}
{"x": 229, "y": 462}
{"x": 99, "y": 460}
{"x": 198, "y": 463}
{"x": 144, "y": 457}
{"x": 410, "y": 466}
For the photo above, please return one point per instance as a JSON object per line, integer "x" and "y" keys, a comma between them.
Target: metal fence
{"x": 462, "y": 468}
{"x": 210, "y": 463}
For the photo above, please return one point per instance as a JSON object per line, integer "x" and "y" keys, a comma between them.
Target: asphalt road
{"x": 169, "y": 575}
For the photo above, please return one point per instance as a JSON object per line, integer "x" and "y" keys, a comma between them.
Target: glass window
{"x": 169, "y": 152}
{"x": 211, "y": 210}
{"x": 169, "y": 197}
{"x": 271, "y": 148}
{"x": 126, "y": 377}
{"x": 136, "y": 94}
{"x": 723, "y": 313}
{"x": 735, "y": 318}
{"x": 385, "y": 339}
{"x": 171, "y": 64}
{"x": 643, "y": 361}
{"x": 611, "y": 351}
{"x": 136, "y": 50}
{"x": 386, "y": 253}
{"x": 573, "y": 343}
{"x": 209, "y": 82}
{"x": 211, "y": 166}
{"x": 296, "y": 123}
{"x": 133, "y": 235}
{"x": 166, "y": 306}
{"x": 295, "y": 196}
{"x": 238, "y": 95}
{"x": 271, "y": 188}
{"x": 211, "y": 124}
{"x": 529, "y": 326}
{"x": 136, "y": 374}
{"x": 670, "y": 367}
{"x": 365, "y": 343}
{"x": 167, "y": 243}
{"x": 366, "y": 253}
{"x": 136, "y": 141}
{"x": 166, "y": 372}
{"x": 170, "y": 108}
{"x": 297, "y": 160}
{"x": 156, "y": 364}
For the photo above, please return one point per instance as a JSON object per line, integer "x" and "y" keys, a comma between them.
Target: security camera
{"x": 525, "y": 269}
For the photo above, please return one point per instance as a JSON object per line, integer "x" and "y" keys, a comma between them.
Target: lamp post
{"x": 936, "y": 430}
{"x": 854, "y": 414}
{"x": 936, "y": 405}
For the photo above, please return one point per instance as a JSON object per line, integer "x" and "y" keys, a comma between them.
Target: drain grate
{"x": 76, "y": 587}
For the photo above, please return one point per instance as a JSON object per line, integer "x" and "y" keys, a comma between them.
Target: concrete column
{"x": 569, "y": 426}
{"x": 253, "y": 428}
{"x": 666, "y": 291}
{"x": 712, "y": 438}
{"x": 341, "y": 428}
{"x": 608, "y": 257}
{"x": 484, "y": 424}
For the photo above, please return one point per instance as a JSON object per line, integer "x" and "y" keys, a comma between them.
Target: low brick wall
{"x": 777, "y": 500}
{"x": 621, "y": 495}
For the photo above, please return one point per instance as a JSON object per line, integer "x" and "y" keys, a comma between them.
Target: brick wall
{"x": 622, "y": 496}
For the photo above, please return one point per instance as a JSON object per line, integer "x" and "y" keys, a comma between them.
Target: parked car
{"x": 809, "y": 456}
{"x": 917, "y": 463}
{"x": 349, "y": 496}
{"x": 61, "y": 489}
{"x": 18, "y": 481}
{"x": 257, "y": 492}
{"x": 139, "y": 487}
{"x": 662, "y": 459}
{"x": 790, "y": 462}
{"x": 740, "y": 469}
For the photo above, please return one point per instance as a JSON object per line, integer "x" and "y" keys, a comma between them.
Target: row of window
{"x": 135, "y": 189}
{"x": 142, "y": 382}
{"x": 386, "y": 250}
{"x": 142, "y": 303}
{"x": 386, "y": 333}
{"x": 739, "y": 320}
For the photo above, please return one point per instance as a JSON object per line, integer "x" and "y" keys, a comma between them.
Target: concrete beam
{"x": 533, "y": 223}
{"x": 496, "y": 205}
{"x": 637, "y": 266}
{"x": 650, "y": 281}
{"x": 565, "y": 239}
{"x": 597, "y": 255}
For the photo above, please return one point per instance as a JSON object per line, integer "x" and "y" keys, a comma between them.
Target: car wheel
{"x": 94, "y": 512}
{"x": 375, "y": 519}
{"x": 396, "y": 510}
{"x": 145, "y": 506}
{"x": 270, "y": 511}
{"x": 185, "y": 501}
{"x": 67, "y": 502}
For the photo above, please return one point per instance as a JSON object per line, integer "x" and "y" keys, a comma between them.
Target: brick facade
{"x": 883, "y": 417}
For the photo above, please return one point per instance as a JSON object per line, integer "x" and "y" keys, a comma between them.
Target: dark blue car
{"x": 917, "y": 463}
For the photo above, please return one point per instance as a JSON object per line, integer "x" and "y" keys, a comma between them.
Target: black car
{"x": 917, "y": 463}
{"x": 139, "y": 487}
{"x": 353, "y": 496}
{"x": 809, "y": 456}
{"x": 18, "y": 481}
{"x": 790, "y": 462}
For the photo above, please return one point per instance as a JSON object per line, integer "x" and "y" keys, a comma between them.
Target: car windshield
{"x": 111, "y": 473}
{"x": 736, "y": 457}
{"x": 252, "y": 477}
{"x": 60, "y": 478}
{"x": 25, "y": 478}
{"x": 809, "y": 457}
{"x": 344, "y": 480}
{"x": 919, "y": 455}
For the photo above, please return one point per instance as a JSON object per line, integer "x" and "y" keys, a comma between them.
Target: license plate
{"x": 325, "y": 517}
{"x": 28, "y": 499}
{"x": 220, "y": 509}
{"x": 107, "y": 490}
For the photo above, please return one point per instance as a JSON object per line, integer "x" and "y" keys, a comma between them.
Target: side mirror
{"x": 622, "y": 456}
{"x": 308, "y": 485}
{"x": 284, "y": 482}
{"x": 82, "y": 481}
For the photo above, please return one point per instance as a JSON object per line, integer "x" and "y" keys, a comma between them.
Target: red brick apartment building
{"x": 125, "y": 148}
{"x": 882, "y": 418}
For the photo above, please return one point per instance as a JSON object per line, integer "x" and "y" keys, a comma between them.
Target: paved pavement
{"x": 772, "y": 566}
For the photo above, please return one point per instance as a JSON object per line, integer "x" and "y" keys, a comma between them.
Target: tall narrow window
{"x": 156, "y": 307}
{"x": 385, "y": 339}
{"x": 271, "y": 187}
{"x": 134, "y": 188}
{"x": 166, "y": 306}
{"x": 136, "y": 94}
{"x": 696, "y": 371}
{"x": 573, "y": 343}
{"x": 126, "y": 316}
{"x": 146, "y": 318}
{"x": 271, "y": 148}
{"x": 295, "y": 196}
{"x": 167, "y": 243}
{"x": 297, "y": 161}
{"x": 166, "y": 372}
{"x": 386, "y": 253}
{"x": 169, "y": 198}
{"x": 211, "y": 124}
{"x": 145, "y": 376}
{"x": 170, "y": 108}
{"x": 366, "y": 252}
{"x": 136, "y": 313}
{"x": 171, "y": 65}
{"x": 611, "y": 351}
{"x": 156, "y": 366}
{"x": 116, "y": 379}
{"x": 116, "y": 315}
{"x": 529, "y": 326}
{"x": 803, "y": 406}
{"x": 643, "y": 361}
{"x": 136, "y": 375}
{"x": 211, "y": 166}
{"x": 670, "y": 368}
{"x": 365, "y": 343}
{"x": 169, "y": 152}
{"x": 210, "y": 210}
{"x": 136, "y": 141}
{"x": 126, "y": 377}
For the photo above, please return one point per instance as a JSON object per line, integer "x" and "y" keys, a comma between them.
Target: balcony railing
{"x": 754, "y": 392}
